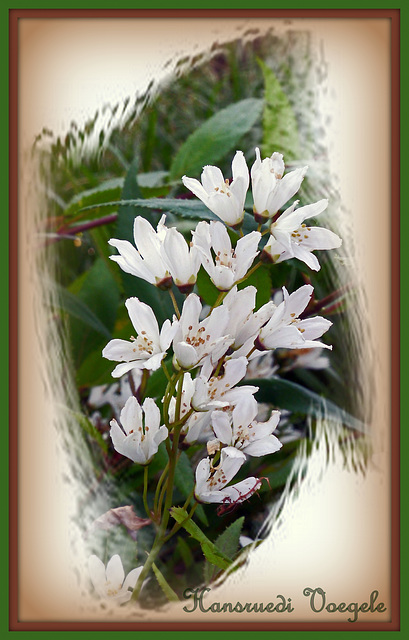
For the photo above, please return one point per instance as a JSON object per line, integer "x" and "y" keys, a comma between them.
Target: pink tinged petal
{"x": 96, "y": 570}
{"x": 143, "y": 318}
{"x": 131, "y": 415}
{"x": 241, "y": 491}
{"x": 132, "y": 578}
{"x": 222, "y": 427}
{"x": 115, "y": 572}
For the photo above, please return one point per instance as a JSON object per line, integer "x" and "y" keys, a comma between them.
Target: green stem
{"x": 177, "y": 526}
{"x": 175, "y": 304}
{"x": 219, "y": 300}
{"x": 158, "y": 486}
{"x": 145, "y": 491}
{"x": 165, "y": 370}
{"x": 250, "y": 272}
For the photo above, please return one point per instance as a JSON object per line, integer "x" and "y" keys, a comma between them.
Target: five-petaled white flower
{"x": 286, "y": 330}
{"x": 241, "y": 431}
{"x": 146, "y": 260}
{"x": 217, "y": 391}
{"x": 149, "y": 348}
{"x": 270, "y": 189}
{"x": 141, "y": 434}
{"x": 182, "y": 261}
{"x": 224, "y": 199}
{"x": 196, "y": 340}
{"x": 291, "y": 238}
{"x": 211, "y": 480}
{"x": 229, "y": 265}
{"x": 110, "y": 583}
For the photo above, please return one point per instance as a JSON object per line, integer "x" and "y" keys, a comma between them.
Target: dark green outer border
{"x": 10, "y": 163}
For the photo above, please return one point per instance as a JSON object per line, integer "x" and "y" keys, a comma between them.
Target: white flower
{"x": 214, "y": 392}
{"x": 291, "y": 238}
{"x": 244, "y": 325}
{"x": 229, "y": 266}
{"x": 149, "y": 348}
{"x": 115, "y": 394}
{"x": 138, "y": 439}
{"x": 211, "y": 481}
{"x": 285, "y": 330}
{"x": 196, "y": 340}
{"x": 270, "y": 189}
{"x": 110, "y": 583}
{"x": 241, "y": 431}
{"x": 182, "y": 261}
{"x": 224, "y": 199}
{"x": 146, "y": 260}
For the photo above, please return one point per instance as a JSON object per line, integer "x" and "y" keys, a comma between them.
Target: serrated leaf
{"x": 215, "y": 138}
{"x": 293, "y": 397}
{"x": 103, "y": 193}
{"x": 280, "y": 129}
{"x": 164, "y": 585}
{"x": 212, "y": 553}
{"x": 228, "y": 542}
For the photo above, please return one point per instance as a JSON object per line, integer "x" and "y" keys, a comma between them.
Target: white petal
{"x": 222, "y": 426}
{"x": 115, "y": 572}
{"x": 131, "y": 415}
{"x": 97, "y": 573}
{"x": 185, "y": 354}
{"x": 263, "y": 446}
{"x": 143, "y": 318}
{"x": 132, "y": 578}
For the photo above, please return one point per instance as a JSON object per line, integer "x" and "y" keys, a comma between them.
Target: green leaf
{"x": 293, "y": 397}
{"x": 100, "y": 293}
{"x": 261, "y": 279}
{"x": 185, "y": 480}
{"x": 215, "y": 138}
{"x": 164, "y": 585}
{"x": 228, "y": 543}
{"x": 212, "y": 553}
{"x": 206, "y": 289}
{"x": 77, "y": 308}
{"x": 92, "y": 198}
{"x": 280, "y": 129}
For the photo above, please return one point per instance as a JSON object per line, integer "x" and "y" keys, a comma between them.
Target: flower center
{"x": 143, "y": 344}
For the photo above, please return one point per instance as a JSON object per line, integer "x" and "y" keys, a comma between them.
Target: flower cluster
{"x": 205, "y": 353}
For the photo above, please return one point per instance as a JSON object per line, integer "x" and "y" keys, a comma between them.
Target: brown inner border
{"x": 394, "y": 16}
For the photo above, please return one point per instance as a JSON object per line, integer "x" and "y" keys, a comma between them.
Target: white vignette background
{"x": 336, "y": 532}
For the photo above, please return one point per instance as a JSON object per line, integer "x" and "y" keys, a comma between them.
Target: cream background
{"x": 336, "y": 534}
